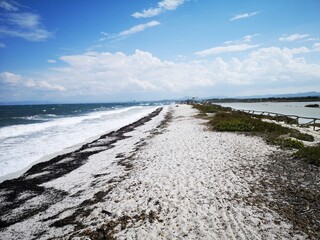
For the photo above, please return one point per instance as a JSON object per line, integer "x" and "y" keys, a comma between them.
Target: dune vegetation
{"x": 225, "y": 119}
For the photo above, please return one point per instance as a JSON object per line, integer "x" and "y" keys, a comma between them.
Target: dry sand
{"x": 168, "y": 178}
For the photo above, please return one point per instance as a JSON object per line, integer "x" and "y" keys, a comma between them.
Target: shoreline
{"x": 17, "y": 174}
{"x": 62, "y": 164}
{"x": 164, "y": 177}
{"x": 66, "y": 150}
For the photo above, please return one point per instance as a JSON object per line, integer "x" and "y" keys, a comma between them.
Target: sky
{"x": 124, "y": 50}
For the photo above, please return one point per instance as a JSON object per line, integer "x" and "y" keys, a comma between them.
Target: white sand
{"x": 186, "y": 183}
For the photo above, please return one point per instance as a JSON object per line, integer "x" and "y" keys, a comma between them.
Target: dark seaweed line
{"x": 107, "y": 230}
{"x": 10, "y": 190}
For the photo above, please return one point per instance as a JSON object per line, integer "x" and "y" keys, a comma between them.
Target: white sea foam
{"x": 18, "y": 130}
{"x": 21, "y": 145}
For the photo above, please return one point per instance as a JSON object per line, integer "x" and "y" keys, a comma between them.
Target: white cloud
{"x": 10, "y": 78}
{"x": 165, "y": 5}
{"x": 243, "y": 15}
{"x": 297, "y": 50}
{"x": 310, "y": 40}
{"x": 25, "y": 25}
{"x": 245, "y": 39}
{"x": 33, "y": 35}
{"x": 138, "y": 28}
{"x": 9, "y": 5}
{"x": 133, "y": 30}
{"x": 316, "y": 46}
{"x": 151, "y": 12}
{"x": 18, "y": 80}
{"x": 248, "y": 38}
{"x": 108, "y": 74}
{"x": 225, "y": 49}
{"x": 24, "y": 20}
{"x": 48, "y": 86}
{"x": 170, "y": 4}
{"x": 91, "y": 48}
{"x": 104, "y": 33}
{"x": 293, "y": 37}
{"x": 51, "y": 61}
{"x": 229, "y": 42}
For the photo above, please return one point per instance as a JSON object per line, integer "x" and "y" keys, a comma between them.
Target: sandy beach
{"x": 165, "y": 176}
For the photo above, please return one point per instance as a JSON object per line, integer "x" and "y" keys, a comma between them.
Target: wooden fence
{"x": 315, "y": 122}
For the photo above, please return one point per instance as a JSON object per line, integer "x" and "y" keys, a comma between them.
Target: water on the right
{"x": 286, "y": 108}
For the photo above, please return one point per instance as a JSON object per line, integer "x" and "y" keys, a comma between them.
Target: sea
{"x": 286, "y": 108}
{"x": 29, "y": 133}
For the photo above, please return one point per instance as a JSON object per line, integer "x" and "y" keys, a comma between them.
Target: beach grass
{"x": 211, "y": 108}
{"x": 226, "y": 120}
{"x": 310, "y": 154}
{"x": 301, "y": 136}
{"x": 288, "y": 143}
{"x": 244, "y": 122}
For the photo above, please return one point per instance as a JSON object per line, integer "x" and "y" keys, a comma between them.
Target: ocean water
{"x": 287, "y": 108}
{"x": 29, "y": 133}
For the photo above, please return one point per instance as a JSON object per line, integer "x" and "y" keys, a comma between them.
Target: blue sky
{"x": 117, "y": 50}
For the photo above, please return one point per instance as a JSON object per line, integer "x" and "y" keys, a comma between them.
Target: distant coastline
{"x": 270, "y": 99}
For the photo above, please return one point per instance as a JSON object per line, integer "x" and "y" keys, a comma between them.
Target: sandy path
{"x": 169, "y": 180}
{"x": 189, "y": 183}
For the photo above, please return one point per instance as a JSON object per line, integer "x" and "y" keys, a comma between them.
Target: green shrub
{"x": 280, "y": 118}
{"x": 301, "y": 136}
{"x": 243, "y": 122}
{"x": 225, "y": 119}
{"x": 310, "y": 154}
{"x": 288, "y": 143}
{"x": 210, "y": 108}
{"x": 234, "y": 125}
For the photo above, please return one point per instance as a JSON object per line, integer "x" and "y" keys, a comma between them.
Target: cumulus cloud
{"x": 243, "y": 15}
{"x": 140, "y": 71}
{"x": 108, "y": 74}
{"x": 12, "y": 79}
{"x": 18, "y": 23}
{"x": 316, "y": 46}
{"x": 225, "y": 49}
{"x": 293, "y": 37}
{"x": 165, "y": 5}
